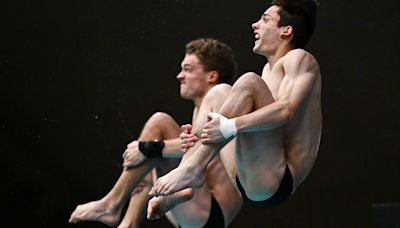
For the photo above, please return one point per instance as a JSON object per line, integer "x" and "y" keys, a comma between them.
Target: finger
{"x": 127, "y": 164}
{"x": 186, "y": 128}
{"x": 194, "y": 138}
{"x": 188, "y": 141}
{"x": 149, "y": 209}
{"x": 206, "y": 125}
{"x": 152, "y": 191}
{"x": 184, "y": 136}
{"x": 184, "y": 147}
{"x": 209, "y": 116}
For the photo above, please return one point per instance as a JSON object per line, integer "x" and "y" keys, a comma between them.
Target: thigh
{"x": 196, "y": 211}
{"x": 160, "y": 126}
{"x": 227, "y": 155}
{"x": 249, "y": 93}
{"x": 219, "y": 179}
{"x": 260, "y": 160}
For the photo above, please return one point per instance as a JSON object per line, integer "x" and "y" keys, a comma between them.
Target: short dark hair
{"x": 301, "y": 15}
{"x": 214, "y": 55}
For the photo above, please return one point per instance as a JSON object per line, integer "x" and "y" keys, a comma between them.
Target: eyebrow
{"x": 187, "y": 65}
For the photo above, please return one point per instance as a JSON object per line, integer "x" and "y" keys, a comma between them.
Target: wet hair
{"x": 301, "y": 15}
{"x": 214, "y": 55}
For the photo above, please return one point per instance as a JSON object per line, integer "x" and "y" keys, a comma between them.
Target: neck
{"x": 274, "y": 57}
{"x": 198, "y": 101}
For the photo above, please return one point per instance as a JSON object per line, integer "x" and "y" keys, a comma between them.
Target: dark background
{"x": 79, "y": 78}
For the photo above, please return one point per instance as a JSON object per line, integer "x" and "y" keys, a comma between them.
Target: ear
{"x": 287, "y": 31}
{"x": 213, "y": 77}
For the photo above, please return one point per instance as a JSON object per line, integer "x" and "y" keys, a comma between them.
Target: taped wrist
{"x": 151, "y": 149}
{"x": 228, "y": 127}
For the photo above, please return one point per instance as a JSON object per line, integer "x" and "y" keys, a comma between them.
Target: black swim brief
{"x": 216, "y": 218}
{"x": 281, "y": 195}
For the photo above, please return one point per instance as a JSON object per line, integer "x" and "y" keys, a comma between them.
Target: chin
{"x": 256, "y": 50}
{"x": 185, "y": 96}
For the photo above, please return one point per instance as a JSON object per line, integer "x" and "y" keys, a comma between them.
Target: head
{"x": 207, "y": 62}
{"x": 290, "y": 22}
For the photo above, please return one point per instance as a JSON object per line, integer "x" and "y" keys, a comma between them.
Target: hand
{"x": 211, "y": 132}
{"x": 132, "y": 156}
{"x": 187, "y": 138}
{"x": 218, "y": 128}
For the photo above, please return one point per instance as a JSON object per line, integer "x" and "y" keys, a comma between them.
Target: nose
{"x": 180, "y": 76}
{"x": 255, "y": 25}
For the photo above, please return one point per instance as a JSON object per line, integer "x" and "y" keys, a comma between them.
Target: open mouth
{"x": 256, "y": 36}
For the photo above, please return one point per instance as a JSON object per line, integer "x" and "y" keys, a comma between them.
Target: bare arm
{"x": 172, "y": 148}
{"x": 132, "y": 155}
{"x": 301, "y": 71}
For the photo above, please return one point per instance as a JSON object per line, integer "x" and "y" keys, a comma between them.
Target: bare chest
{"x": 274, "y": 78}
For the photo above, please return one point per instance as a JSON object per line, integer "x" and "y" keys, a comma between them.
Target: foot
{"x": 158, "y": 206}
{"x": 180, "y": 178}
{"x": 95, "y": 211}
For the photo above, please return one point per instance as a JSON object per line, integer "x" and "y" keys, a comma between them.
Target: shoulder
{"x": 299, "y": 55}
{"x": 219, "y": 90}
{"x": 217, "y": 95}
{"x": 300, "y": 60}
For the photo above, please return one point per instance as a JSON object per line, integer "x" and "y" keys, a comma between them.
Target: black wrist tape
{"x": 151, "y": 149}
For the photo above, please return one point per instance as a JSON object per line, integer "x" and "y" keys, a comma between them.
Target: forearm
{"x": 172, "y": 148}
{"x": 266, "y": 118}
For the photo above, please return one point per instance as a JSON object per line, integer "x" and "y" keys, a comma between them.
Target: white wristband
{"x": 227, "y": 126}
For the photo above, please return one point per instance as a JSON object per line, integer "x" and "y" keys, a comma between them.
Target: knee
{"x": 247, "y": 82}
{"x": 261, "y": 191}
{"x": 159, "y": 118}
{"x": 157, "y": 121}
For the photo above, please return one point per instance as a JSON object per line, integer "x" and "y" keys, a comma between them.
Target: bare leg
{"x": 137, "y": 205}
{"x": 247, "y": 94}
{"x": 197, "y": 209}
{"x": 189, "y": 175}
{"x": 108, "y": 209}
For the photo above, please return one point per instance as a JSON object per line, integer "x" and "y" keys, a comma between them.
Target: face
{"x": 193, "y": 78}
{"x": 267, "y": 33}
